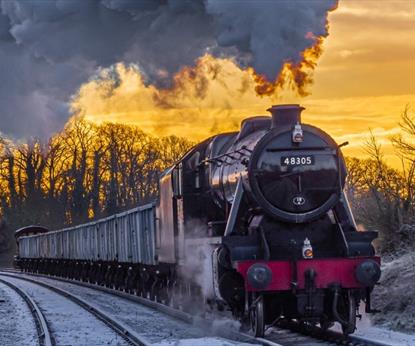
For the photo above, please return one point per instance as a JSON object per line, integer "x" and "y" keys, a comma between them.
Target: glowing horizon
{"x": 359, "y": 85}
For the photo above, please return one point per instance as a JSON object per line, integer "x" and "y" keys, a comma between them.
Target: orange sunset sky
{"x": 364, "y": 79}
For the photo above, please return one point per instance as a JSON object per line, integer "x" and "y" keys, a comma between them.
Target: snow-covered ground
{"x": 206, "y": 341}
{"x": 395, "y": 296}
{"x": 365, "y": 329}
{"x": 192, "y": 335}
{"x": 69, "y": 323}
{"x": 17, "y": 326}
{"x": 152, "y": 325}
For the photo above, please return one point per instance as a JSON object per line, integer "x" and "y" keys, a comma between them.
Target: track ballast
{"x": 283, "y": 334}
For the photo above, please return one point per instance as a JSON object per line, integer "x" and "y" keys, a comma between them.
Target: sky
{"x": 191, "y": 69}
{"x": 49, "y": 48}
{"x": 362, "y": 82}
{"x": 364, "y": 79}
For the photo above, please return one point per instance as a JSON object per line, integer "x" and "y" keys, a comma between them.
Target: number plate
{"x": 300, "y": 160}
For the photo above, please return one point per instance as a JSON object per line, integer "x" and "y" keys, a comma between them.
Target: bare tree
{"x": 83, "y": 172}
{"x": 78, "y": 138}
{"x": 383, "y": 197}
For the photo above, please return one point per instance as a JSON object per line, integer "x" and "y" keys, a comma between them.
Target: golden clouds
{"x": 214, "y": 96}
{"x": 370, "y": 50}
{"x": 363, "y": 80}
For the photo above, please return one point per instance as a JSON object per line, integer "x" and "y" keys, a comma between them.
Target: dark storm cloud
{"x": 49, "y": 48}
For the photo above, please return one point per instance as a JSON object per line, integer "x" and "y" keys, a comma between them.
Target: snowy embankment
{"x": 395, "y": 296}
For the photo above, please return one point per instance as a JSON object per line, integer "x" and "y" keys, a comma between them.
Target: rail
{"x": 44, "y": 335}
{"x": 292, "y": 331}
{"x": 117, "y": 326}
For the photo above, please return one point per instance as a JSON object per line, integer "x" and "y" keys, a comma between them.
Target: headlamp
{"x": 259, "y": 275}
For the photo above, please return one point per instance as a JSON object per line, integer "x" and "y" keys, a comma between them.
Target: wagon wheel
{"x": 257, "y": 317}
{"x": 164, "y": 295}
{"x": 152, "y": 293}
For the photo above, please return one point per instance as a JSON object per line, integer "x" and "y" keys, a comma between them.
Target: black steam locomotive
{"x": 264, "y": 207}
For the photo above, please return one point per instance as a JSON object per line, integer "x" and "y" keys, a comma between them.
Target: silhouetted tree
{"x": 86, "y": 171}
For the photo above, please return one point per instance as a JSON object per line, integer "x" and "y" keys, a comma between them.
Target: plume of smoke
{"x": 49, "y": 48}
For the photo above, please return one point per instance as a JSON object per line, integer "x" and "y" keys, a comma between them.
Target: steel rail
{"x": 361, "y": 340}
{"x": 117, "y": 326}
{"x": 329, "y": 336}
{"x": 43, "y": 332}
{"x": 163, "y": 308}
{"x": 316, "y": 334}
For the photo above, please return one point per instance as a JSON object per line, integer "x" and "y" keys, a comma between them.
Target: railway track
{"x": 294, "y": 335}
{"x": 43, "y": 332}
{"x": 154, "y": 329}
{"x": 128, "y": 335}
{"x": 285, "y": 334}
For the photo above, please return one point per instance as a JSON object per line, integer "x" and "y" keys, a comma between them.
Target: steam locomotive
{"x": 254, "y": 221}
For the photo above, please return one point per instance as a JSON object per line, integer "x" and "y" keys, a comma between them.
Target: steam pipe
{"x": 267, "y": 252}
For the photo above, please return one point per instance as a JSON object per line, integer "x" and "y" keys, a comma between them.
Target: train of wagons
{"x": 254, "y": 221}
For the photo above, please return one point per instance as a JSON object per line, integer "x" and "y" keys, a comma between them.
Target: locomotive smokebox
{"x": 285, "y": 115}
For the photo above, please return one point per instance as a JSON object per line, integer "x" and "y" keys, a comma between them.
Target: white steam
{"x": 197, "y": 266}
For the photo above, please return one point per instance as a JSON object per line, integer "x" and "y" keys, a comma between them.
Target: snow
{"x": 69, "y": 323}
{"x": 17, "y": 326}
{"x": 150, "y": 324}
{"x": 384, "y": 335}
{"x": 162, "y": 330}
{"x": 206, "y": 341}
{"x": 395, "y": 296}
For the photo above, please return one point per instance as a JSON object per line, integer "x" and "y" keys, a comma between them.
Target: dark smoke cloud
{"x": 48, "y": 48}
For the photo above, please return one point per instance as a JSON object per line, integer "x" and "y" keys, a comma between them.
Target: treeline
{"x": 84, "y": 172}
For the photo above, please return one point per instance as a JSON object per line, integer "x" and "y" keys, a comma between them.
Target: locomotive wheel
{"x": 351, "y": 315}
{"x": 257, "y": 317}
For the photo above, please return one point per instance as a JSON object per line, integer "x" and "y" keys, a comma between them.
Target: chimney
{"x": 285, "y": 115}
